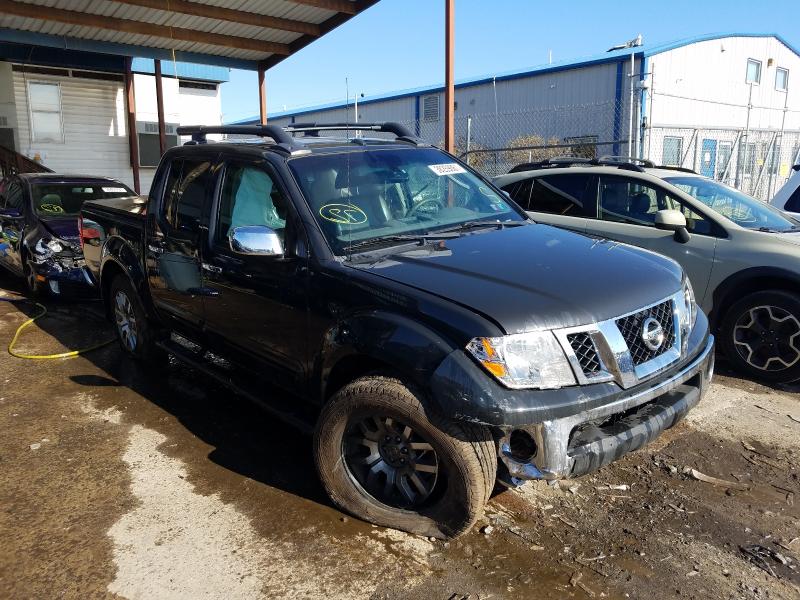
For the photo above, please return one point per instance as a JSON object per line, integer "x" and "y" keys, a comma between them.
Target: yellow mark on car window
{"x": 53, "y": 208}
{"x": 346, "y": 214}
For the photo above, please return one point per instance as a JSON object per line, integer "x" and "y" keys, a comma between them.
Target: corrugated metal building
{"x": 698, "y": 102}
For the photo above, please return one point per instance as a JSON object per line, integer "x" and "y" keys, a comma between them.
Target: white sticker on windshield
{"x": 114, "y": 190}
{"x": 447, "y": 169}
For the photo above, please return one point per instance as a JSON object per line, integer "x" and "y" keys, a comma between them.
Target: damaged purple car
{"x": 39, "y": 232}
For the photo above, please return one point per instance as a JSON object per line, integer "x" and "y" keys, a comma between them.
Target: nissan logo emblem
{"x": 652, "y": 334}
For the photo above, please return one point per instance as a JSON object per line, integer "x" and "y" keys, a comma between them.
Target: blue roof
{"x": 606, "y": 57}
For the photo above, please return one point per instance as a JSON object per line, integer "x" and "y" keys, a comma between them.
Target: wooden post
{"x": 133, "y": 139}
{"x": 162, "y": 126}
{"x": 449, "y": 82}
{"x": 262, "y": 94}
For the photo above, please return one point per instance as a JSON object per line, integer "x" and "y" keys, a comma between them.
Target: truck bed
{"x": 114, "y": 217}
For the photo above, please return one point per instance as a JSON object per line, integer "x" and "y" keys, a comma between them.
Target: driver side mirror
{"x": 256, "y": 240}
{"x": 673, "y": 220}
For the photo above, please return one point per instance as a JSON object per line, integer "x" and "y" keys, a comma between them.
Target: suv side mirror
{"x": 256, "y": 240}
{"x": 673, "y": 220}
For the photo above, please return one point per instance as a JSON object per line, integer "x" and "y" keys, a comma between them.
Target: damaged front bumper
{"x": 581, "y": 443}
{"x": 63, "y": 275}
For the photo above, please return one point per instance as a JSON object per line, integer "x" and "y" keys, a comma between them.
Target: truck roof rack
{"x": 312, "y": 129}
{"x": 283, "y": 135}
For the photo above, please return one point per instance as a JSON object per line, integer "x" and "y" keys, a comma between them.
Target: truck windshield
{"x": 381, "y": 194}
{"x": 737, "y": 206}
{"x": 65, "y": 199}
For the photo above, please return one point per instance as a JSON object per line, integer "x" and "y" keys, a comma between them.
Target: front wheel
{"x": 32, "y": 284}
{"x": 761, "y": 336}
{"x": 383, "y": 459}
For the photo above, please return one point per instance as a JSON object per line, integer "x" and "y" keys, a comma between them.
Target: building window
{"x": 781, "y": 79}
{"x": 672, "y": 151}
{"x": 44, "y": 99}
{"x": 753, "y": 71}
{"x": 430, "y": 107}
{"x": 149, "y": 147}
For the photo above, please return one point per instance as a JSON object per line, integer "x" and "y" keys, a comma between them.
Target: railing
{"x": 13, "y": 162}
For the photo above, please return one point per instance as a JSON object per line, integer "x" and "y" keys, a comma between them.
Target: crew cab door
{"x": 173, "y": 241}
{"x": 258, "y": 304}
{"x": 12, "y": 224}
{"x": 626, "y": 212}
{"x": 564, "y": 200}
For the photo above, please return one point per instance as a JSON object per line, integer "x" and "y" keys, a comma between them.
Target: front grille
{"x": 631, "y": 329}
{"x": 583, "y": 347}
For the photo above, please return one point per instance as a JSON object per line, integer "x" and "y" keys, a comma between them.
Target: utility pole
{"x": 449, "y": 78}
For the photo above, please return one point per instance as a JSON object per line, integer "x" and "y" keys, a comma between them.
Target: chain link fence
{"x": 755, "y": 160}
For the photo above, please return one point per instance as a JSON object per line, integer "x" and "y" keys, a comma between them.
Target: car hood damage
{"x": 535, "y": 277}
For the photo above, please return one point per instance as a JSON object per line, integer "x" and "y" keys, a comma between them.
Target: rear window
{"x": 54, "y": 199}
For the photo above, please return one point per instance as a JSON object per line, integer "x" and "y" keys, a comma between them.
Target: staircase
{"x": 13, "y": 162}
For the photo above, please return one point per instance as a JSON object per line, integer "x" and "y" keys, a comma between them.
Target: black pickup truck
{"x": 432, "y": 336}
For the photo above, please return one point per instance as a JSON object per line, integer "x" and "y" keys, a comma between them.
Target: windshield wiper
{"x": 480, "y": 224}
{"x": 390, "y": 240}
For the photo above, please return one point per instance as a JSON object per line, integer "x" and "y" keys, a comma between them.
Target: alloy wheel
{"x": 30, "y": 277}
{"x": 390, "y": 461}
{"x": 125, "y": 319}
{"x": 768, "y": 338}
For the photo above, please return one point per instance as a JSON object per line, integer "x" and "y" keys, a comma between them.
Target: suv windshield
{"x": 65, "y": 199}
{"x": 376, "y": 194}
{"x": 740, "y": 208}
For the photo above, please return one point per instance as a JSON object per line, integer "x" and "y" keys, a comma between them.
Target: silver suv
{"x": 741, "y": 255}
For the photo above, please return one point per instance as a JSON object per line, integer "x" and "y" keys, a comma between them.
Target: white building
{"x": 67, "y": 110}
{"x": 692, "y": 107}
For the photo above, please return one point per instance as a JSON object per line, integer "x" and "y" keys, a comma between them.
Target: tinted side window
{"x": 520, "y": 192}
{"x": 561, "y": 194}
{"x": 185, "y": 192}
{"x": 249, "y": 197}
{"x": 793, "y": 202}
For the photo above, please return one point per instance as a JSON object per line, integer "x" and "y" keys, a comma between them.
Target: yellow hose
{"x": 70, "y": 354}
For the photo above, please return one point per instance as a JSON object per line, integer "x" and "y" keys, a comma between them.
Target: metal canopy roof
{"x": 234, "y": 33}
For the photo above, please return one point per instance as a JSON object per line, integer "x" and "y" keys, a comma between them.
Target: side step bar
{"x": 182, "y": 350}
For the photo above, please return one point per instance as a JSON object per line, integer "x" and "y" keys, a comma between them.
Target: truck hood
{"x": 535, "y": 276}
{"x": 64, "y": 228}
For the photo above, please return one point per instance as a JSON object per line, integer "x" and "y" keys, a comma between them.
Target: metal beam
{"x": 162, "y": 127}
{"x": 449, "y": 78}
{"x": 226, "y": 14}
{"x": 342, "y": 6}
{"x": 262, "y": 95}
{"x": 72, "y": 17}
{"x": 133, "y": 138}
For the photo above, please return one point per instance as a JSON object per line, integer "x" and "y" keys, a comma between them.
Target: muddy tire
{"x": 135, "y": 333}
{"x": 383, "y": 459}
{"x": 760, "y": 335}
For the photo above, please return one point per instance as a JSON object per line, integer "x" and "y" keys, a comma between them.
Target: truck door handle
{"x": 211, "y": 268}
{"x": 158, "y": 249}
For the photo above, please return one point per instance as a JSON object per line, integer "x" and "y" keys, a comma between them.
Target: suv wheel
{"x": 383, "y": 459}
{"x": 134, "y": 331}
{"x": 761, "y": 336}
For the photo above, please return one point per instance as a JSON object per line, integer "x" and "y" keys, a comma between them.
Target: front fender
{"x": 410, "y": 348}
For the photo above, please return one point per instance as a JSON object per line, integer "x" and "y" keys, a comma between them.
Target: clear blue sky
{"x": 399, "y": 44}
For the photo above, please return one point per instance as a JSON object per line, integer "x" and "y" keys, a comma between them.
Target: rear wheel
{"x": 761, "y": 336}
{"x": 135, "y": 333}
{"x": 383, "y": 459}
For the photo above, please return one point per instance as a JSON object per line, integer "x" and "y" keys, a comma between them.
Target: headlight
{"x": 524, "y": 360}
{"x": 55, "y": 245}
{"x": 48, "y": 247}
{"x": 688, "y": 313}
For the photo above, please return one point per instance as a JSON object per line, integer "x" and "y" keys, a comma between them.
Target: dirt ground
{"x": 115, "y": 482}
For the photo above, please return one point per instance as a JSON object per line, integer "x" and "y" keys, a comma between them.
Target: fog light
{"x": 54, "y": 286}
{"x": 521, "y": 446}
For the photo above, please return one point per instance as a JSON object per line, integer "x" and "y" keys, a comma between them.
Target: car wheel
{"x": 33, "y": 285}
{"x": 383, "y": 459}
{"x": 135, "y": 333}
{"x": 761, "y": 336}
